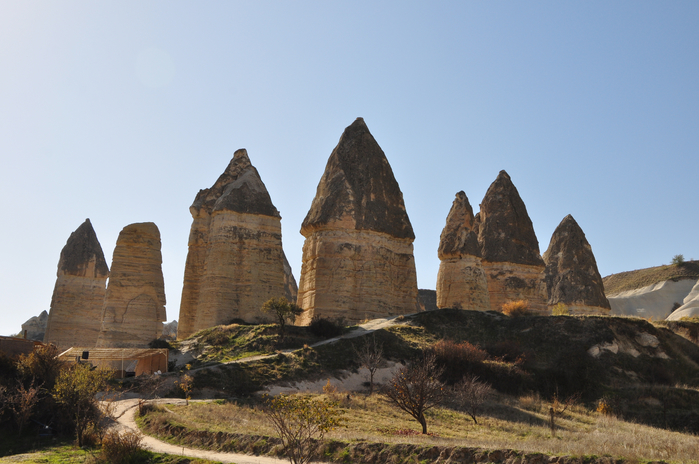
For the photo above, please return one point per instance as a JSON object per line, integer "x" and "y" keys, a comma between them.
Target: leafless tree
{"x": 558, "y": 407}
{"x": 22, "y": 404}
{"x": 370, "y": 356}
{"x": 471, "y": 394}
{"x": 417, "y": 388}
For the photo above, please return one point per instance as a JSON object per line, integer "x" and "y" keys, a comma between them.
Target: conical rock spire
{"x": 76, "y": 305}
{"x": 358, "y": 189}
{"x": 571, "y": 275}
{"x": 358, "y": 255}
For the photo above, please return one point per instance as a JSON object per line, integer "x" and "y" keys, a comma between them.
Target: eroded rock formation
{"x": 34, "y": 328}
{"x": 235, "y": 261}
{"x": 75, "y": 315}
{"x": 461, "y": 281}
{"x": 134, "y": 305}
{"x": 509, "y": 248}
{"x": 571, "y": 275}
{"x": 358, "y": 255}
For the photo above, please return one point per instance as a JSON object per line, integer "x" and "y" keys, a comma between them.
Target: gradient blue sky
{"x": 122, "y": 111}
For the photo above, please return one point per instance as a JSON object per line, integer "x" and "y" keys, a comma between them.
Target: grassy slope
{"x": 640, "y": 278}
{"x": 538, "y": 354}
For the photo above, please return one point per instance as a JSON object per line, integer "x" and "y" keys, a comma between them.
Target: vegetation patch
{"x": 632, "y": 280}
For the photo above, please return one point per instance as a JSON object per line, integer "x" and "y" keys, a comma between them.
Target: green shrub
{"x": 678, "y": 260}
{"x": 560, "y": 310}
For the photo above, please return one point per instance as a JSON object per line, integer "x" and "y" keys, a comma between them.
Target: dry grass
{"x": 640, "y": 278}
{"x": 508, "y": 423}
{"x": 516, "y": 308}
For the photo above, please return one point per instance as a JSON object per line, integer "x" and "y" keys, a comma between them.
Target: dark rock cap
{"x": 81, "y": 248}
{"x": 358, "y": 182}
{"x": 238, "y": 189}
{"x": 571, "y": 274}
{"x": 505, "y": 232}
{"x": 458, "y": 236}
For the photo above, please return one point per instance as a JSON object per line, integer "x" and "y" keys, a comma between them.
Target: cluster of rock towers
{"x": 357, "y": 257}
{"x": 493, "y": 257}
{"x": 129, "y": 311}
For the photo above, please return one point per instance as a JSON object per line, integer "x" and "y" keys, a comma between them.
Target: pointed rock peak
{"x": 82, "y": 255}
{"x": 459, "y": 236}
{"x": 358, "y": 188}
{"x": 505, "y": 232}
{"x": 571, "y": 274}
{"x": 238, "y": 189}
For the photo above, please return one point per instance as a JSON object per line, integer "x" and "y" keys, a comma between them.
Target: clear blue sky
{"x": 122, "y": 111}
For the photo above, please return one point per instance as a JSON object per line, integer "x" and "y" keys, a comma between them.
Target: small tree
{"x": 282, "y": 310}
{"x": 678, "y": 260}
{"x": 558, "y": 407}
{"x": 301, "y": 422}
{"x": 41, "y": 365}
{"x": 417, "y": 388}
{"x": 471, "y": 394}
{"x": 370, "y": 356}
{"x": 75, "y": 390}
{"x": 22, "y": 404}
{"x": 186, "y": 384}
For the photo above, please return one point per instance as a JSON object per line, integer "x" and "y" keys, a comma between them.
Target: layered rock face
{"x": 235, "y": 261}
{"x": 571, "y": 274}
{"x": 75, "y": 316}
{"x": 134, "y": 305}
{"x": 358, "y": 255}
{"x": 509, "y": 248}
{"x": 461, "y": 281}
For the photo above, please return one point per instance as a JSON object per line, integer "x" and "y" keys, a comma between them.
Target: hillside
{"x": 632, "y": 280}
{"x": 633, "y": 365}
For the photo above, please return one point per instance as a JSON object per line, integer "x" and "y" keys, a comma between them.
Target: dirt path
{"x": 125, "y": 417}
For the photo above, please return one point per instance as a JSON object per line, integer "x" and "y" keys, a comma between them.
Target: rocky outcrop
{"x": 35, "y": 327}
{"x": 358, "y": 255}
{"x": 571, "y": 274}
{"x": 235, "y": 261}
{"x": 461, "y": 281}
{"x": 75, "y": 315}
{"x": 134, "y": 305}
{"x": 427, "y": 299}
{"x": 509, "y": 248}
{"x": 170, "y": 330}
{"x": 690, "y": 305}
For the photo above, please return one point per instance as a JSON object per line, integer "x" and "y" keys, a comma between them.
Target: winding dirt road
{"x": 125, "y": 418}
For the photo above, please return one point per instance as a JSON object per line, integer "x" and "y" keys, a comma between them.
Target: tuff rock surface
{"x": 134, "y": 305}
{"x": 35, "y": 327}
{"x": 461, "y": 280}
{"x": 75, "y": 315}
{"x": 235, "y": 261}
{"x": 358, "y": 255}
{"x": 571, "y": 274}
{"x": 509, "y": 248}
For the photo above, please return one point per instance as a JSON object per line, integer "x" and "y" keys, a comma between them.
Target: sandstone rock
{"x": 509, "y": 248}
{"x": 291, "y": 289}
{"x": 427, "y": 299}
{"x": 235, "y": 261}
{"x": 35, "y": 327}
{"x": 571, "y": 275}
{"x": 134, "y": 306}
{"x": 358, "y": 255}
{"x": 170, "y": 330}
{"x": 75, "y": 316}
{"x": 461, "y": 281}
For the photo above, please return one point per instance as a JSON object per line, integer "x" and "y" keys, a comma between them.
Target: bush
{"x": 325, "y": 328}
{"x": 160, "y": 343}
{"x": 458, "y": 359}
{"x": 516, "y": 308}
{"x": 121, "y": 448}
{"x": 678, "y": 260}
{"x": 560, "y": 310}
